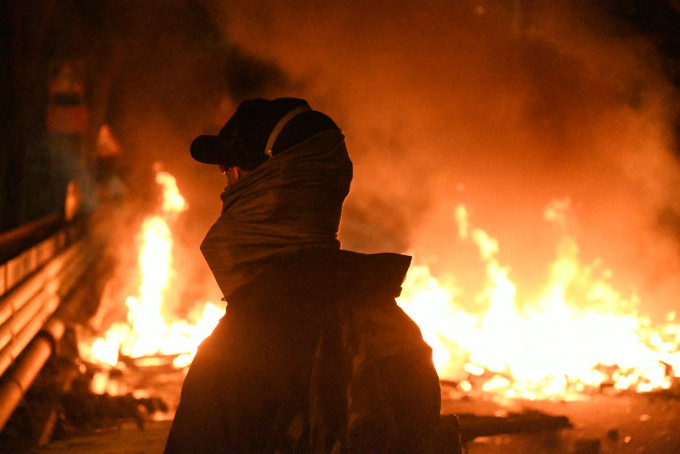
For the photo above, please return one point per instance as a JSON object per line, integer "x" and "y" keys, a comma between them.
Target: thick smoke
{"x": 502, "y": 106}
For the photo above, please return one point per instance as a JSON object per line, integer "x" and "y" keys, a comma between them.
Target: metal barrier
{"x": 33, "y": 284}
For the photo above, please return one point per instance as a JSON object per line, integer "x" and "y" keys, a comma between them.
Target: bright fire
{"x": 578, "y": 335}
{"x": 147, "y": 332}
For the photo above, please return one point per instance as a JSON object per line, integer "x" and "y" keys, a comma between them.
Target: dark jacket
{"x": 312, "y": 354}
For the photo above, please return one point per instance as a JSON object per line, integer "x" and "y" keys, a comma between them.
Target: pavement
{"x": 125, "y": 439}
{"x": 602, "y": 424}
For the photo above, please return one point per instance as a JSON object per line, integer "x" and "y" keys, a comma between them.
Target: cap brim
{"x": 206, "y": 149}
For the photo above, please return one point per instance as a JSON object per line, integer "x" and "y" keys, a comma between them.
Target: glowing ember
{"x": 579, "y": 333}
{"x": 147, "y": 332}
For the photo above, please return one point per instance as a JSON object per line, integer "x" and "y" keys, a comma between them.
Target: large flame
{"x": 580, "y": 333}
{"x": 147, "y": 330}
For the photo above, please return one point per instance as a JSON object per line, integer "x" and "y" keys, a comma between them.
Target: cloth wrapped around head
{"x": 290, "y": 202}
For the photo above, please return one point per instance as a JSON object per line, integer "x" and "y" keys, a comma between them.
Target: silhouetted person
{"x": 313, "y": 354}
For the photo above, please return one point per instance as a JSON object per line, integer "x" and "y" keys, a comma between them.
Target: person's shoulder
{"x": 391, "y": 260}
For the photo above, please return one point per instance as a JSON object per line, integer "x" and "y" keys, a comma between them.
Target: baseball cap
{"x": 247, "y": 139}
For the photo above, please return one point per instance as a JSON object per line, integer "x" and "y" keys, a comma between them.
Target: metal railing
{"x": 33, "y": 284}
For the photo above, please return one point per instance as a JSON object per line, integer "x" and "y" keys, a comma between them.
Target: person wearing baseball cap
{"x": 275, "y": 374}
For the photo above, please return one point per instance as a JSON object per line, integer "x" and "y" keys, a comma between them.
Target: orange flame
{"x": 548, "y": 347}
{"x": 147, "y": 332}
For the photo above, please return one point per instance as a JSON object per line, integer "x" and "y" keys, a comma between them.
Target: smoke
{"x": 501, "y": 106}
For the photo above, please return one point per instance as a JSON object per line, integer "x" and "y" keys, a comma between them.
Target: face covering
{"x": 290, "y": 203}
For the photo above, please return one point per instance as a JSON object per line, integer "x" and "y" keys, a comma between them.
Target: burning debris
{"x": 149, "y": 330}
{"x": 578, "y": 336}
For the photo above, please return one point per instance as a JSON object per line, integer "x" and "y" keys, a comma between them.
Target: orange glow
{"x": 173, "y": 202}
{"x": 578, "y": 334}
{"x": 147, "y": 330}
